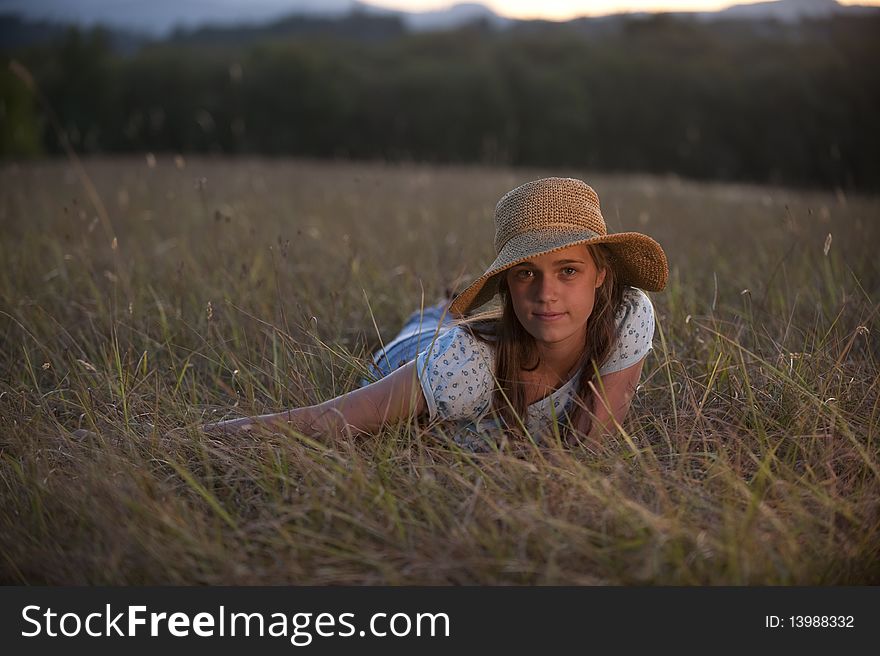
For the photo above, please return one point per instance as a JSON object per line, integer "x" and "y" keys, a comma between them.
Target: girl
{"x": 566, "y": 345}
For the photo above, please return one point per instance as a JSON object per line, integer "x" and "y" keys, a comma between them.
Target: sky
{"x": 162, "y": 15}
{"x": 564, "y": 9}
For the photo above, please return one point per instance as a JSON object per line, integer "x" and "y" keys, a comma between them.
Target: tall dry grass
{"x": 750, "y": 454}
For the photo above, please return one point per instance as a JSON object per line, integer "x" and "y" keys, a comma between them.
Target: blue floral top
{"x": 456, "y": 374}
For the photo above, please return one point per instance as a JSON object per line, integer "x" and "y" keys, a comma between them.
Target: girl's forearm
{"x": 354, "y": 412}
{"x": 364, "y": 410}
{"x": 301, "y": 419}
{"x": 594, "y": 431}
{"x": 314, "y": 421}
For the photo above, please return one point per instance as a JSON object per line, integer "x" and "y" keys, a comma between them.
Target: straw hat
{"x": 552, "y": 214}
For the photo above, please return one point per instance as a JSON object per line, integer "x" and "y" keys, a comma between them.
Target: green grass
{"x": 749, "y": 456}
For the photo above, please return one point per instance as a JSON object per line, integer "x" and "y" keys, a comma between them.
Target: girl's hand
{"x": 231, "y": 426}
{"x": 299, "y": 419}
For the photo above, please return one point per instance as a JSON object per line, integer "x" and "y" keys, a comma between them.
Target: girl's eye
{"x": 523, "y": 273}
{"x": 571, "y": 269}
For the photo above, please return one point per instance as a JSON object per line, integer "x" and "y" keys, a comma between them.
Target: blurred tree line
{"x": 728, "y": 100}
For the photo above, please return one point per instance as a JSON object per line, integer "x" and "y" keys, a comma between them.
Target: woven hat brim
{"x": 638, "y": 260}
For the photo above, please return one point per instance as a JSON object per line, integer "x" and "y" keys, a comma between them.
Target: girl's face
{"x": 553, "y": 295}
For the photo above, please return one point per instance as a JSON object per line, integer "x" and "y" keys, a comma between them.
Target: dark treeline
{"x": 731, "y": 101}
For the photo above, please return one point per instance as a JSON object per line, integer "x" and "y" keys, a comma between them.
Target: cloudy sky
{"x": 562, "y": 9}
{"x": 163, "y": 14}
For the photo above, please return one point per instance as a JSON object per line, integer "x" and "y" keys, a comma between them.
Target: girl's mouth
{"x": 549, "y": 316}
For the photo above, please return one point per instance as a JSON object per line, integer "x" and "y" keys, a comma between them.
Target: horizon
{"x": 569, "y": 9}
{"x": 187, "y": 11}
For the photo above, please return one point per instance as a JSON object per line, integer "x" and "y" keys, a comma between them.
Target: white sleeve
{"x": 635, "y": 332}
{"x": 455, "y": 373}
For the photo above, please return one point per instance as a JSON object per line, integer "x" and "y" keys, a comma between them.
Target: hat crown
{"x": 549, "y": 203}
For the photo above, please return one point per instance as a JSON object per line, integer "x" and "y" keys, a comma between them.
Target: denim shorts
{"x": 419, "y": 330}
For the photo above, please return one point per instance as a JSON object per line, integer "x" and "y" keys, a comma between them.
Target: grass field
{"x": 750, "y": 454}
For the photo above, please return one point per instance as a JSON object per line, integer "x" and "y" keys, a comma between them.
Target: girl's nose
{"x": 545, "y": 288}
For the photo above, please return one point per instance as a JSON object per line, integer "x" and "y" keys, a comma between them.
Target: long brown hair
{"x": 516, "y": 350}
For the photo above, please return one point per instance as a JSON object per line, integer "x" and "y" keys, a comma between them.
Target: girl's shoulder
{"x": 455, "y": 373}
{"x": 635, "y": 331}
{"x": 635, "y": 302}
{"x": 464, "y": 338}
